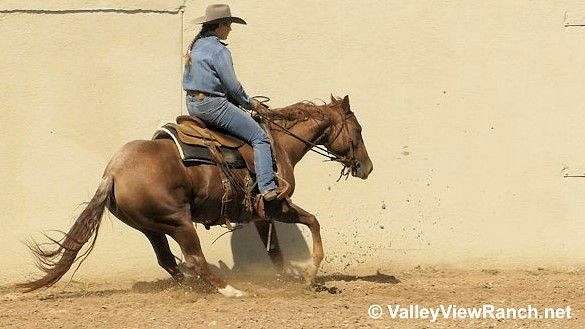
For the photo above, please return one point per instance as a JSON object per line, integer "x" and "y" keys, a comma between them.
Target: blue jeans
{"x": 219, "y": 112}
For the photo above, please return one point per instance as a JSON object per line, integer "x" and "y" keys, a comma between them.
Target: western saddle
{"x": 198, "y": 144}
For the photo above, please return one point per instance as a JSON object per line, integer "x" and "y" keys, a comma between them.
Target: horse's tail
{"x": 56, "y": 262}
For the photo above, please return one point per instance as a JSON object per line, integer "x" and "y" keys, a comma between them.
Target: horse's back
{"x": 142, "y": 152}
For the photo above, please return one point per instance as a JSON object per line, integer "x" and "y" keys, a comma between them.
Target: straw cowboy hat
{"x": 216, "y": 13}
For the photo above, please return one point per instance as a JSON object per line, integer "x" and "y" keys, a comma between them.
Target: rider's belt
{"x": 197, "y": 94}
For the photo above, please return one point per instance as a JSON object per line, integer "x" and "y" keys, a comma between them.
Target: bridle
{"x": 349, "y": 162}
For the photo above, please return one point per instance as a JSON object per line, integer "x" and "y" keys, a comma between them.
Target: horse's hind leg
{"x": 187, "y": 238}
{"x": 165, "y": 257}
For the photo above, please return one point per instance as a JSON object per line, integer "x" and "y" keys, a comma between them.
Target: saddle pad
{"x": 197, "y": 154}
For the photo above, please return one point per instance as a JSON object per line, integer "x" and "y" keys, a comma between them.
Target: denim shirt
{"x": 211, "y": 70}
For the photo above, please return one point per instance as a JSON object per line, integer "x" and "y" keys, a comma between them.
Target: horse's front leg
{"x": 270, "y": 241}
{"x": 283, "y": 267}
{"x": 297, "y": 214}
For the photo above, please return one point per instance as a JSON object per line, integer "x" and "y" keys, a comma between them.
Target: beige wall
{"x": 75, "y": 87}
{"x": 471, "y": 114}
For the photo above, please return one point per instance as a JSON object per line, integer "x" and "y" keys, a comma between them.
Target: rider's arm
{"x": 227, "y": 75}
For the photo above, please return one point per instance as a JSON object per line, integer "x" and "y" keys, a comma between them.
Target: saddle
{"x": 197, "y": 144}
{"x": 195, "y": 132}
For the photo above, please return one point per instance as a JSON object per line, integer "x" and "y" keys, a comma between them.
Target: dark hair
{"x": 206, "y": 30}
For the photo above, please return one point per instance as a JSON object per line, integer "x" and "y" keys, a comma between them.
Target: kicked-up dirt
{"x": 339, "y": 300}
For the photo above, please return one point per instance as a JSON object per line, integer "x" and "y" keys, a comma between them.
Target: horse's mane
{"x": 301, "y": 111}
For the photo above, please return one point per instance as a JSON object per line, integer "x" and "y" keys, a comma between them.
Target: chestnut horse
{"x": 146, "y": 186}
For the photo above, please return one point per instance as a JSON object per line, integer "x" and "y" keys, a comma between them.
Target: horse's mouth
{"x": 354, "y": 171}
{"x": 357, "y": 171}
{"x": 361, "y": 171}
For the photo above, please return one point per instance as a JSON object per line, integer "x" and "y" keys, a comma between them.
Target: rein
{"x": 347, "y": 162}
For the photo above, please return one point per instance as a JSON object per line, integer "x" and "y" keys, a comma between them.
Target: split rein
{"x": 347, "y": 161}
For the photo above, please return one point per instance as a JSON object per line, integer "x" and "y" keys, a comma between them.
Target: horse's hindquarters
{"x": 150, "y": 182}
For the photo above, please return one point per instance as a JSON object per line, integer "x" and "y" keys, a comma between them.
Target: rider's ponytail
{"x": 206, "y": 30}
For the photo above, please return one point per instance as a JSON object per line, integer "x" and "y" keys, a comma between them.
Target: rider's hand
{"x": 255, "y": 104}
{"x": 257, "y": 108}
{"x": 255, "y": 115}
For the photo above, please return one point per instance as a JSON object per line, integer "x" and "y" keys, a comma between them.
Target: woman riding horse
{"x": 147, "y": 186}
{"x": 213, "y": 92}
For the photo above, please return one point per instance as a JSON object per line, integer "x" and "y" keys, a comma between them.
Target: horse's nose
{"x": 365, "y": 170}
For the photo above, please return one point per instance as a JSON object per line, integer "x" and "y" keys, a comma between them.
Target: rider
{"x": 213, "y": 91}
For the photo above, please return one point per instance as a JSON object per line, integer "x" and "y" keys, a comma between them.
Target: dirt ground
{"x": 340, "y": 301}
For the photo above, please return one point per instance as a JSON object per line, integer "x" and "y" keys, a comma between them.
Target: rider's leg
{"x": 219, "y": 112}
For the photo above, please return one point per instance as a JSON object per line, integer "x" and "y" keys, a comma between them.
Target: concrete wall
{"x": 471, "y": 114}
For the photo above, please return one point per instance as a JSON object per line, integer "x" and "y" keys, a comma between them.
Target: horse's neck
{"x": 293, "y": 148}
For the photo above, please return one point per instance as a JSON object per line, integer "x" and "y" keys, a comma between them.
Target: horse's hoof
{"x": 231, "y": 292}
{"x": 310, "y": 274}
{"x": 293, "y": 271}
{"x": 178, "y": 276}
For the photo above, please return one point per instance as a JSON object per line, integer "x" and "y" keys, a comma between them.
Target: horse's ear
{"x": 345, "y": 103}
{"x": 333, "y": 100}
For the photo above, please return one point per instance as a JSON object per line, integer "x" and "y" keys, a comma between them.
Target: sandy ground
{"x": 272, "y": 302}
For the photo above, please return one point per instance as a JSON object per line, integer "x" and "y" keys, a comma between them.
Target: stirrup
{"x": 270, "y": 194}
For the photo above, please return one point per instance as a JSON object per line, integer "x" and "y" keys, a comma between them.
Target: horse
{"x": 147, "y": 186}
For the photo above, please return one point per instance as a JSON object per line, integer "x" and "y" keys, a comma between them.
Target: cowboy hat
{"x": 216, "y": 13}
